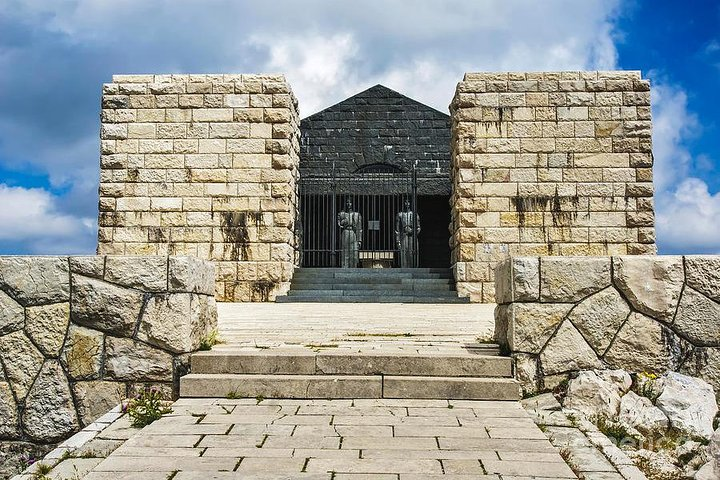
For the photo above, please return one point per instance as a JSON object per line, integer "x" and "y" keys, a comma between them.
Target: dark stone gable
{"x": 377, "y": 126}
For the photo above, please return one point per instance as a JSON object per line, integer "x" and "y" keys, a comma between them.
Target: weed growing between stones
{"x": 645, "y": 385}
{"x": 41, "y": 471}
{"x": 146, "y": 407}
{"x": 210, "y": 340}
{"x": 233, "y": 395}
{"x": 615, "y": 431}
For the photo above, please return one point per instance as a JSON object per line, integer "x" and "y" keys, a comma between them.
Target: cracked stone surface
{"x": 12, "y": 314}
{"x": 36, "y": 280}
{"x": 46, "y": 325}
{"x": 22, "y": 361}
{"x": 50, "y": 413}
{"x": 405, "y": 439}
{"x": 104, "y": 306}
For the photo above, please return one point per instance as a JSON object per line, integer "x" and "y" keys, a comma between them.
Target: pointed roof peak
{"x": 375, "y": 91}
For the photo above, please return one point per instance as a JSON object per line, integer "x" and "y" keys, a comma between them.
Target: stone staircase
{"x": 366, "y": 285}
{"x": 477, "y": 372}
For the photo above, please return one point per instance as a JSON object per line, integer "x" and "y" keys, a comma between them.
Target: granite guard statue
{"x": 407, "y": 228}
{"x": 350, "y": 224}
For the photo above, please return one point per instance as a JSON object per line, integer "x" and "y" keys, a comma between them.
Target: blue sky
{"x": 55, "y": 55}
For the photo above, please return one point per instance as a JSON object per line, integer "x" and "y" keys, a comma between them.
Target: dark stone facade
{"x": 379, "y": 129}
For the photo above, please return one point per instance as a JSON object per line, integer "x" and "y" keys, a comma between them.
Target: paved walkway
{"x": 276, "y": 439}
{"x": 330, "y": 439}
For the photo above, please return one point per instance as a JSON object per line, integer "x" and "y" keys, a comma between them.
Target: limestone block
{"x": 640, "y": 413}
{"x": 593, "y": 396}
{"x": 689, "y": 404}
{"x": 704, "y": 363}
{"x": 651, "y": 284}
{"x": 89, "y": 266}
{"x": 173, "y": 322}
{"x": 104, "y": 306}
{"x": 128, "y": 360}
{"x": 526, "y": 372}
{"x": 9, "y": 424}
{"x": 47, "y": 325}
{"x": 82, "y": 355}
{"x": 188, "y": 274}
{"x": 146, "y": 273}
{"x": 49, "y": 410}
{"x": 642, "y": 345}
{"x": 35, "y": 280}
{"x": 532, "y": 324}
{"x": 94, "y": 399}
{"x": 520, "y": 282}
{"x": 22, "y": 361}
{"x": 567, "y": 351}
{"x": 599, "y": 317}
{"x": 703, "y": 274}
{"x": 12, "y": 314}
{"x": 698, "y": 318}
{"x": 568, "y": 279}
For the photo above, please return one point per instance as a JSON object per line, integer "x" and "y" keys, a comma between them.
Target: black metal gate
{"x": 378, "y": 197}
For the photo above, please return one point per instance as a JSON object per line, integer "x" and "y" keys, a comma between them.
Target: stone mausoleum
{"x": 535, "y": 193}
{"x": 221, "y": 167}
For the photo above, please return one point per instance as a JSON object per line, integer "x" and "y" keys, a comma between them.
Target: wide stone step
{"x": 364, "y": 293}
{"x": 480, "y": 361}
{"x": 364, "y": 277}
{"x": 441, "y": 287}
{"x": 369, "y": 299}
{"x": 396, "y": 283}
{"x": 348, "y": 386}
{"x": 378, "y": 271}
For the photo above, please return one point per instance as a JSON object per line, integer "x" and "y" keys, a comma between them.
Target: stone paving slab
{"x": 333, "y": 439}
{"x": 388, "y": 327}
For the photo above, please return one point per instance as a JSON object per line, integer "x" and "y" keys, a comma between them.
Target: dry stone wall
{"x": 203, "y": 165}
{"x": 78, "y": 334}
{"x": 549, "y": 163}
{"x": 559, "y": 315}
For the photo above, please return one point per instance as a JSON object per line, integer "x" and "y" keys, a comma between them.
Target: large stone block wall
{"x": 78, "y": 334}
{"x": 203, "y": 165}
{"x": 559, "y": 315}
{"x": 548, "y": 163}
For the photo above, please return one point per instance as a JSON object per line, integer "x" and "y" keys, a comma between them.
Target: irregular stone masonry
{"x": 548, "y": 163}
{"x": 78, "y": 334}
{"x": 203, "y": 165}
{"x": 559, "y": 315}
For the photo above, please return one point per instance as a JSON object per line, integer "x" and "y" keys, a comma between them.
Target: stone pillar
{"x": 203, "y": 165}
{"x": 548, "y": 163}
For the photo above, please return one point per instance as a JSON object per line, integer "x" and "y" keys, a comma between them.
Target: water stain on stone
{"x": 260, "y": 290}
{"x": 236, "y": 234}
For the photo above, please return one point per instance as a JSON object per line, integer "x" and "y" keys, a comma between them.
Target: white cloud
{"x": 689, "y": 219}
{"x": 29, "y": 215}
{"x": 672, "y": 125}
{"x": 688, "y": 215}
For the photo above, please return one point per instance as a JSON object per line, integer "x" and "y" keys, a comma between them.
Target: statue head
{"x": 348, "y": 204}
{"x": 407, "y": 205}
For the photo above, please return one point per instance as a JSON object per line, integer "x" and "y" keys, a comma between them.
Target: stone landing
{"x": 388, "y": 351}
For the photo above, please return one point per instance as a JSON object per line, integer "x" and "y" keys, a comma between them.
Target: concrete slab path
{"x": 387, "y": 325}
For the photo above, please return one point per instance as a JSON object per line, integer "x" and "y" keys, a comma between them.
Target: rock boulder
{"x": 640, "y": 413}
{"x": 689, "y": 404}
{"x": 593, "y": 396}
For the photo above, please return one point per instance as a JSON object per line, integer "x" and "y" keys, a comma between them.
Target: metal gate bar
{"x": 377, "y": 196}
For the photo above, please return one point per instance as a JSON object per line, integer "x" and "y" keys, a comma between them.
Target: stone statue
{"x": 350, "y": 224}
{"x": 407, "y": 227}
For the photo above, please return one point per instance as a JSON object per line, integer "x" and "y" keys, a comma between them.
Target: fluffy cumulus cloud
{"x": 29, "y": 218}
{"x": 54, "y": 56}
{"x": 688, "y": 215}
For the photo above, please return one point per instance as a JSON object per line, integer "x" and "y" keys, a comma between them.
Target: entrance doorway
{"x": 381, "y": 199}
